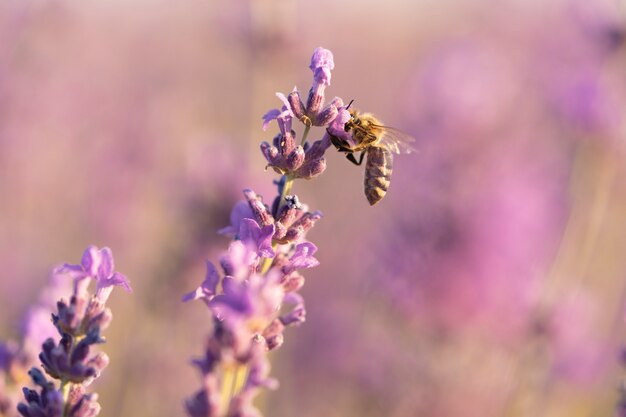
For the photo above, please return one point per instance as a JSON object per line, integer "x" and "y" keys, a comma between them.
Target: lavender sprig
{"x": 255, "y": 296}
{"x": 79, "y": 321}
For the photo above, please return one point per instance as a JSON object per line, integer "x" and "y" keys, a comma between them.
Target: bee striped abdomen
{"x": 378, "y": 169}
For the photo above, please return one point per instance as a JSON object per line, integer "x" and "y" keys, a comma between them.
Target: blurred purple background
{"x": 489, "y": 282}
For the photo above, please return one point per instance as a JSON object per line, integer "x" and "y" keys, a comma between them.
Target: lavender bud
{"x": 311, "y": 169}
{"x": 262, "y": 214}
{"x": 293, "y": 282}
{"x": 295, "y": 159}
{"x": 280, "y": 260}
{"x": 337, "y": 102}
{"x": 295, "y": 317}
{"x": 98, "y": 362}
{"x": 280, "y": 231}
{"x": 308, "y": 220}
{"x": 97, "y": 316}
{"x": 274, "y": 342}
{"x": 80, "y": 352}
{"x": 297, "y": 106}
{"x": 293, "y": 234}
{"x": 289, "y": 212}
{"x": 273, "y": 329}
{"x": 81, "y": 403}
{"x": 326, "y": 116}
{"x": 318, "y": 148}
{"x": 269, "y": 152}
{"x": 315, "y": 100}
{"x": 286, "y": 143}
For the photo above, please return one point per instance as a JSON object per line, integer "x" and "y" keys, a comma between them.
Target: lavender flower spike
{"x": 256, "y": 298}
{"x": 69, "y": 360}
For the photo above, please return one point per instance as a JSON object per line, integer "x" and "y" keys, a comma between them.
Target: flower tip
{"x": 193, "y": 295}
{"x": 322, "y": 57}
{"x": 121, "y": 280}
{"x": 269, "y": 116}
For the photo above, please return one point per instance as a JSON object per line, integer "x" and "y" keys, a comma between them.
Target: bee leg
{"x": 339, "y": 144}
{"x": 352, "y": 159}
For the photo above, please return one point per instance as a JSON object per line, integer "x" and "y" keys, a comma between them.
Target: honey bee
{"x": 379, "y": 143}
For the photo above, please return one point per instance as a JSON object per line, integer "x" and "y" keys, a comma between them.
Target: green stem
{"x": 65, "y": 391}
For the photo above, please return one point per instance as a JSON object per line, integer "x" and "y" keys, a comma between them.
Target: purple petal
{"x": 233, "y": 305}
{"x": 322, "y": 58}
{"x": 269, "y": 116}
{"x": 240, "y": 211}
{"x": 303, "y": 257}
{"x": 208, "y": 288}
{"x": 229, "y": 285}
{"x": 197, "y": 294}
{"x": 114, "y": 280}
{"x": 264, "y": 242}
{"x": 72, "y": 270}
{"x": 90, "y": 260}
{"x": 107, "y": 265}
{"x": 286, "y": 105}
{"x": 337, "y": 126}
{"x": 249, "y": 231}
{"x": 298, "y": 314}
{"x": 211, "y": 279}
{"x": 239, "y": 260}
{"x": 284, "y": 121}
{"x": 322, "y": 75}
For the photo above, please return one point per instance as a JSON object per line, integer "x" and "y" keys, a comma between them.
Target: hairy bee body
{"x": 378, "y": 167}
{"x": 377, "y": 143}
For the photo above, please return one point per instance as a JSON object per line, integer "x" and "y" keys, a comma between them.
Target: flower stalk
{"x": 255, "y": 296}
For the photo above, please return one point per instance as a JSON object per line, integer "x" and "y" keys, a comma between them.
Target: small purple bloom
{"x": 297, "y": 315}
{"x": 208, "y": 288}
{"x": 260, "y": 238}
{"x": 283, "y": 117}
{"x": 239, "y": 261}
{"x": 302, "y": 258}
{"x": 321, "y": 63}
{"x": 240, "y": 211}
{"x": 252, "y": 303}
{"x": 337, "y": 127}
{"x": 99, "y": 265}
{"x": 269, "y": 116}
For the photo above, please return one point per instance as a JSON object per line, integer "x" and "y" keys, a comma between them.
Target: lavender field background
{"x": 491, "y": 279}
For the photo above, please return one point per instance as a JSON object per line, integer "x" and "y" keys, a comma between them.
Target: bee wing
{"x": 396, "y": 140}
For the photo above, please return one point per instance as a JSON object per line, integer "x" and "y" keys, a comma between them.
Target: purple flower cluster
{"x": 252, "y": 301}
{"x": 304, "y": 160}
{"x": 79, "y": 321}
{"x": 255, "y": 295}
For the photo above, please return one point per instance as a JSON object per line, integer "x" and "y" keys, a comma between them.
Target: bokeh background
{"x": 489, "y": 282}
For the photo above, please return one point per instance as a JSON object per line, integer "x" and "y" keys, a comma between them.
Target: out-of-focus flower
{"x": 96, "y": 264}
{"x": 79, "y": 322}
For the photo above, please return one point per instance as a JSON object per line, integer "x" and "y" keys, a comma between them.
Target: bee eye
{"x": 357, "y": 122}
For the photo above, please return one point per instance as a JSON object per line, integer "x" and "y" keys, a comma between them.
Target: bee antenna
{"x": 349, "y": 104}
